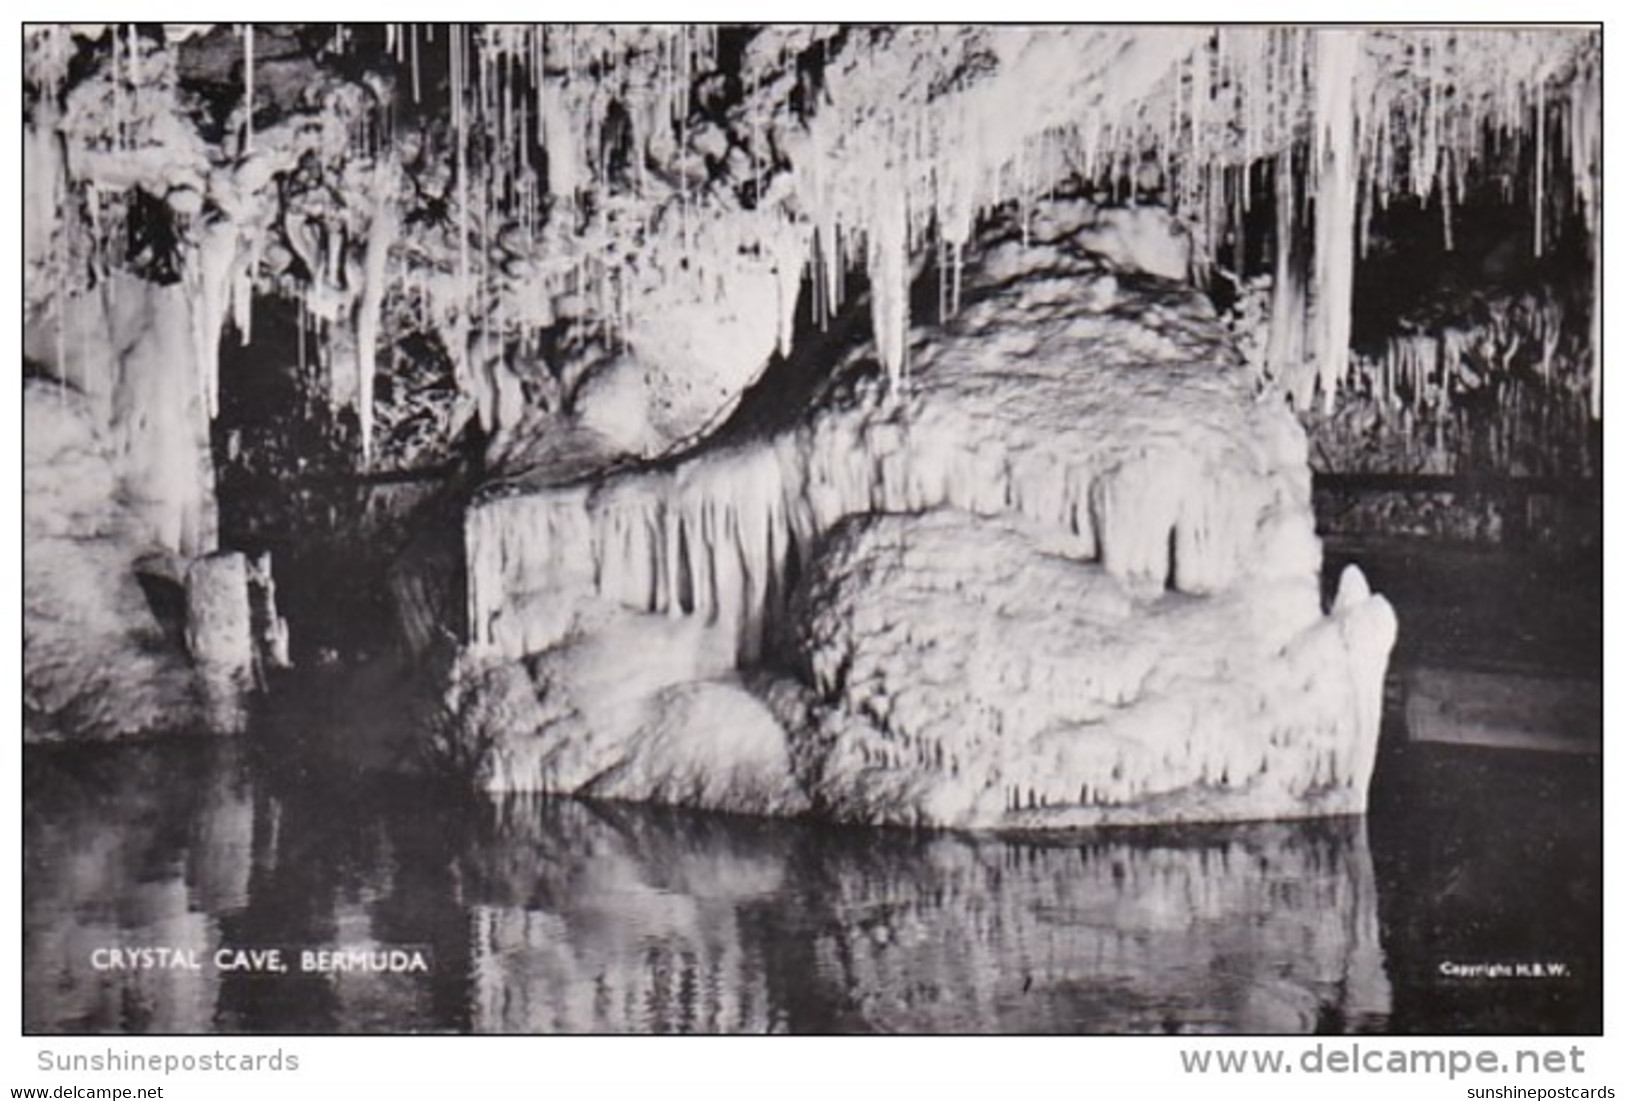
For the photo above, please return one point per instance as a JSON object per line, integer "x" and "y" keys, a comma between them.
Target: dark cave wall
{"x": 359, "y": 542}
{"x": 1466, "y": 417}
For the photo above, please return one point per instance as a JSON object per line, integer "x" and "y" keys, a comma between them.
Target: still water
{"x": 538, "y": 915}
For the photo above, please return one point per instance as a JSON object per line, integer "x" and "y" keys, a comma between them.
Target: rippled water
{"x": 538, "y": 915}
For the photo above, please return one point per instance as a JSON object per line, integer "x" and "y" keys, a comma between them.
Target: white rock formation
{"x": 966, "y": 676}
{"x": 633, "y": 707}
{"x": 106, "y": 505}
{"x": 1140, "y": 239}
{"x": 1093, "y": 597}
{"x": 96, "y": 664}
{"x": 697, "y": 341}
{"x": 127, "y": 348}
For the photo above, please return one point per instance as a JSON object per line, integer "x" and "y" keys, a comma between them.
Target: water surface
{"x": 552, "y": 915}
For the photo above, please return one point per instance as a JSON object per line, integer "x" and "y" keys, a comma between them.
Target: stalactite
{"x": 248, "y": 87}
{"x": 1585, "y": 162}
{"x": 1339, "y": 93}
{"x": 381, "y": 234}
{"x": 460, "y": 139}
{"x": 133, "y": 54}
{"x": 889, "y": 282}
{"x": 417, "y": 83}
{"x": 212, "y": 279}
{"x": 1287, "y": 352}
{"x": 118, "y": 93}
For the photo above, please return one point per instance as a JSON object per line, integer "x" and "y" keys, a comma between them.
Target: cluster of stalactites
{"x": 895, "y": 153}
{"x": 1416, "y": 113}
{"x": 583, "y": 169}
{"x": 1584, "y": 124}
{"x": 716, "y": 537}
{"x": 1519, "y": 348}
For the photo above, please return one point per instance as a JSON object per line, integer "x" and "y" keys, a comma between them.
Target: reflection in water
{"x": 552, "y": 915}
{"x": 145, "y": 851}
{"x": 612, "y": 920}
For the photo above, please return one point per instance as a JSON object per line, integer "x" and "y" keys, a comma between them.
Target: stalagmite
{"x": 220, "y": 636}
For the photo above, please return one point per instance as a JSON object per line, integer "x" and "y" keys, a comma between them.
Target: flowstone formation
{"x": 1065, "y": 575}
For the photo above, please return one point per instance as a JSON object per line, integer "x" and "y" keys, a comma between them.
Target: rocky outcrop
{"x": 644, "y": 708}
{"x": 965, "y": 676}
{"x": 96, "y": 662}
{"x": 121, "y": 635}
{"x": 1066, "y": 574}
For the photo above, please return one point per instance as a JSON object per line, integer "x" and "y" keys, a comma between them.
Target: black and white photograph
{"x": 915, "y": 528}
